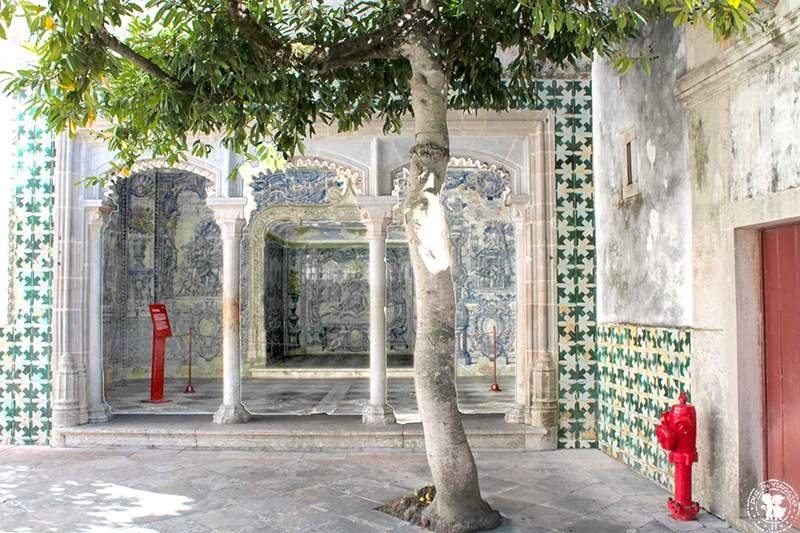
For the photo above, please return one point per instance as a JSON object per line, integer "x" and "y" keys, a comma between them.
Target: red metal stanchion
{"x": 161, "y": 330}
{"x": 189, "y": 388}
{"x": 495, "y": 387}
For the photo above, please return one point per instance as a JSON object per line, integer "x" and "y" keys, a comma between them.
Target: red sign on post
{"x": 161, "y": 330}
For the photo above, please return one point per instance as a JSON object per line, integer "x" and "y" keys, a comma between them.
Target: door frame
{"x": 747, "y": 226}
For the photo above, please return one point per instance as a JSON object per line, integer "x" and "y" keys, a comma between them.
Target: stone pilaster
{"x": 96, "y": 215}
{"x": 376, "y": 214}
{"x": 519, "y": 413}
{"x": 229, "y": 215}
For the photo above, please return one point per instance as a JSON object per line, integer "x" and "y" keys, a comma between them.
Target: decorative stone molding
{"x": 400, "y": 174}
{"x": 350, "y": 173}
{"x": 193, "y": 165}
{"x": 780, "y": 40}
{"x": 468, "y": 162}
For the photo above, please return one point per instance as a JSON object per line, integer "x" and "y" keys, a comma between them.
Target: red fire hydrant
{"x": 677, "y": 433}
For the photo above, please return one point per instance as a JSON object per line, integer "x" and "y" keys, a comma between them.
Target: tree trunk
{"x": 458, "y": 506}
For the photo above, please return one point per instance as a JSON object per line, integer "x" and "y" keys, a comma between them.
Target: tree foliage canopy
{"x": 262, "y": 73}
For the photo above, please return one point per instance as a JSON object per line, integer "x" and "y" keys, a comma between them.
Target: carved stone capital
{"x": 376, "y": 214}
{"x": 521, "y": 209}
{"x": 229, "y": 215}
{"x": 97, "y": 212}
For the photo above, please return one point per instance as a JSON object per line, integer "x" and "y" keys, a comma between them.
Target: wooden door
{"x": 781, "y": 271}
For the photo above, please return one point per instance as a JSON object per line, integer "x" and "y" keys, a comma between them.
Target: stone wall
{"x": 161, "y": 246}
{"x": 25, "y": 341}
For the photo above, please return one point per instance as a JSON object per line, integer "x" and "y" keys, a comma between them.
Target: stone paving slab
{"x": 165, "y": 491}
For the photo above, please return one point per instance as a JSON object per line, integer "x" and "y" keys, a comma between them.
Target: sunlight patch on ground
{"x": 123, "y": 505}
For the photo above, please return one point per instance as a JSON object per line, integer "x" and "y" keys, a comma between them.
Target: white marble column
{"x": 229, "y": 214}
{"x": 96, "y": 214}
{"x": 376, "y": 214}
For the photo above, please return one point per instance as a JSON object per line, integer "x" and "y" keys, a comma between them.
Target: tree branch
{"x": 115, "y": 45}
{"x": 270, "y": 47}
{"x": 379, "y": 44}
{"x": 382, "y": 43}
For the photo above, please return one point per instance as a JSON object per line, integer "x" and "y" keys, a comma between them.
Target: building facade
{"x": 679, "y": 174}
{"x": 696, "y": 168}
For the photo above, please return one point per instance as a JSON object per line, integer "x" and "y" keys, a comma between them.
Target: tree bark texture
{"x": 458, "y": 505}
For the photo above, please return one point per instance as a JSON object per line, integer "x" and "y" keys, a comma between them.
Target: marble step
{"x": 323, "y": 373}
{"x": 288, "y": 433}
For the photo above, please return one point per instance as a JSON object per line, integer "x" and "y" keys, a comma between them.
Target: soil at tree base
{"x": 409, "y": 508}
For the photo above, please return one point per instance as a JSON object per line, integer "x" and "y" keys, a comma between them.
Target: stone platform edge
{"x": 288, "y": 433}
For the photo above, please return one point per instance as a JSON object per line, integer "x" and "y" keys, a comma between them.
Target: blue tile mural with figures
{"x": 317, "y": 300}
{"x": 321, "y": 303}
{"x": 25, "y": 340}
{"x": 162, "y": 246}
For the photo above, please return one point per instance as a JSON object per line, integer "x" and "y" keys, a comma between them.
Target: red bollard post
{"x": 161, "y": 330}
{"x": 189, "y": 388}
{"x": 495, "y": 387}
{"x": 677, "y": 433}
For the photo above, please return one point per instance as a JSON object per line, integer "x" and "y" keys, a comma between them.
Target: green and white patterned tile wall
{"x": 25, "y": 343}
{"x": 571, "y": 102}
{"x": 642, "y": 370}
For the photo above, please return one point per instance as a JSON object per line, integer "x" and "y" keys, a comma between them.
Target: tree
{"x": 263, "y": 73}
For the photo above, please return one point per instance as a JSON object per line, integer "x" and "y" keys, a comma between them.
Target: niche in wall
{"x": 161, "y": 245}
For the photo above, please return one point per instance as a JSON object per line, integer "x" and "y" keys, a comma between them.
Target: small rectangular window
{"x": 628, "y": 163}
{"x": 630, "y": 177}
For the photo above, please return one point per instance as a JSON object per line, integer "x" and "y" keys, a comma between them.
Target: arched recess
{"x": 331, "y": 201}
{"x": 161, "y": 245}
{"x": 485, "y": 270}
{"x": 531, "y": 201}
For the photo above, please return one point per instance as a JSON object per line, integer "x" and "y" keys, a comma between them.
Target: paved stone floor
{"x": 146, "y": 490}
{"x": 304, "y": 396}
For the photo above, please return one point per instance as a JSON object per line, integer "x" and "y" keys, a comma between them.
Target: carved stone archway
{"x": 343, "y": 207}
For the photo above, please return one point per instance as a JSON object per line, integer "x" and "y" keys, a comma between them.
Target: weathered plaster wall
{"x": 643, "y": 242}
{"x": 26, "y": 340}
{"x": 743, "y": 116}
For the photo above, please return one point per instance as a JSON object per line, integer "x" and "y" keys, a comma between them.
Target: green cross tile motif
{"x": 641, "y": 372}
{"x": 25, "y": 342}
{"x": 571, "y": 101}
